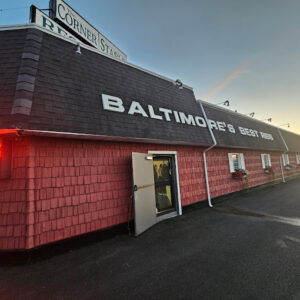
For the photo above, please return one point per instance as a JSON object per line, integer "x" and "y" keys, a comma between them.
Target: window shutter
{"x": 231, "y": 167}
{"x": 269, "y": 157}
{"x": 242, "y": 161}
{"x": 263, "y": 161}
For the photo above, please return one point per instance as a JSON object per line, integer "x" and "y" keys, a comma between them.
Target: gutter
{"x": 281, "y": 162}
{"x": 205, "y": 151}
{"x": 92, "y": 137}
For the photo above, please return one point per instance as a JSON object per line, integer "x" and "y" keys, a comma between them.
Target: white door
{"x": 144, "y": 192}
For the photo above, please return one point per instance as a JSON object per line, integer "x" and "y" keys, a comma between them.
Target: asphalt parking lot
{"x": 247, "y": 247}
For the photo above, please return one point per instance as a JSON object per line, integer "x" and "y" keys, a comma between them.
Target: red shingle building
{"x": 81, "y": 134}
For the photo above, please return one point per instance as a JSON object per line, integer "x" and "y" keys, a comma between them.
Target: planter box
{"x": 239, "y": 175}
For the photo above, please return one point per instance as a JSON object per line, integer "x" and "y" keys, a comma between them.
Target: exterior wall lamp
{"x": 177, "y": 83}
{"x": 78, "y": 50}
{"x": 287, "y": 124}
{"x": 225, "y": 103}
{"x": 269, "y": 120}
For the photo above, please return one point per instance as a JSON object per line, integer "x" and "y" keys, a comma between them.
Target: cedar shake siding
{"x": 71, "y": 166}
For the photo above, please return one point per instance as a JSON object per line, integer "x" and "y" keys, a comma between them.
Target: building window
{"x": 285, "y": 159}
{"x": 298, "y": 159}
{"x": 266, "y": 160}
{"x": 236, "y": 161}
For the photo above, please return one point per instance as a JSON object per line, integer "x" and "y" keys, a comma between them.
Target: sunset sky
{"x": 247, "y": 52}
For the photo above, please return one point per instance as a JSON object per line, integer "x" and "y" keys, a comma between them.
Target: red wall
{"x": 221, "y": 181}
{"x": 14, "y": 194}
{"x": 61, "y": 188}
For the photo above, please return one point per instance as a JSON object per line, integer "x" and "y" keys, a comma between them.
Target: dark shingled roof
{"x": 243, "y": 141}
{"x": 11, "y": 49}
{"x": 45, "y": 86}
{"x": 292, "y": 140}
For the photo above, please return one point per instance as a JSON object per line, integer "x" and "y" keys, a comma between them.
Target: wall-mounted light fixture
{"x": 78, "y": 50}
{"x": 177, "y": 83}
{"x": 287, "y": 124}
{"x": 148, "y": 157}
{"x": 225, "y": 103}
{"x": 251, "y": 114}
{"x": 269, "y": 120}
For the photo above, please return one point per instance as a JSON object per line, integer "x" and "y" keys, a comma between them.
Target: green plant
{"x": 246, "y": 181}
{"x": 273, "y": 176}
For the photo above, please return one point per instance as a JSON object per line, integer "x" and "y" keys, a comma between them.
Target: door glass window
{"x": 162, "y": 167}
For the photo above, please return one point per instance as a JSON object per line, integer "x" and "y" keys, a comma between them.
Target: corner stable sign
{"x": 38, "y": 17}
{"x": 64, "y": 14}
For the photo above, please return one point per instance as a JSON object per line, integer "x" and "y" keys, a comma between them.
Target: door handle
{"x": 135, "y": 187}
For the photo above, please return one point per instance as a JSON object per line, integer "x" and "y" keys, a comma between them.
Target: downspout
{"x": 287, "y": 149}
{"x": 206, "y": 150}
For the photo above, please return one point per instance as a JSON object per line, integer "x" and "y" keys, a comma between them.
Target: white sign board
{"x": 41, "y": 19}
{"x": 62, "y": 12}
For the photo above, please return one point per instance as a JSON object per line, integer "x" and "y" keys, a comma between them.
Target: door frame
{"x": 177, "y": 192}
